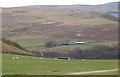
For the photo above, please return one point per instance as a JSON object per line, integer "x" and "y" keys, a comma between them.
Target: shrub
{"x": 50, "y": 44}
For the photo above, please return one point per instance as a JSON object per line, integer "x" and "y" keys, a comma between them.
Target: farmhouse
{"x": 80, "y": 42}
{"x": 74, "y": 43}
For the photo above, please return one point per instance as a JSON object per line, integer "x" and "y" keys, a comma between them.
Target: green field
{"x": 0, "y": 64}
{"x": 28, "y": 65}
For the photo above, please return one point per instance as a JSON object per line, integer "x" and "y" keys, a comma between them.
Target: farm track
{"x": 91, "y": 72}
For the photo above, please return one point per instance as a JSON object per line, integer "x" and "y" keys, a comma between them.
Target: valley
{"x": 39, "y": 35}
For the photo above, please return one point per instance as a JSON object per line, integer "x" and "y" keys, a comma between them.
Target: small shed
{"x": 65, "y": 58}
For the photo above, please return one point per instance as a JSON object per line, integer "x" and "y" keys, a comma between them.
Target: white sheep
{"x": 17, "y": 58}
{"x": 13, "y": 58}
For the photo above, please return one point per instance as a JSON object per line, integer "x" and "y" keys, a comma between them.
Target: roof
{"x": 79, "y": 42}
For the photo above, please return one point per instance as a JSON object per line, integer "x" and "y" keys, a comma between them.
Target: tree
{"x": 50, "y": 44}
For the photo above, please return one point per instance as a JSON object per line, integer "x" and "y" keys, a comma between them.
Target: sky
{"x": 16, "y": 3}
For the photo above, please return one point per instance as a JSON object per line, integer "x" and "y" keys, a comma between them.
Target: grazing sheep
{"x": 83, "y": 59}
{"x": 13, "y": 58}
{"x": 69, "y": 59}
{"x": 17, "y": 58}
{"x": 40, "y": 58}
{"x": 55, "y": 58}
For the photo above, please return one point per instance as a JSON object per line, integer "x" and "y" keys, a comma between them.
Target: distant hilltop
{"x": 110, "y": 8}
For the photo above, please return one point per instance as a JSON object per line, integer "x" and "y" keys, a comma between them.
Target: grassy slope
{"x": 37, "y": 44}
{"x": 24, "y": 65}
{"x": 6, "y": 48}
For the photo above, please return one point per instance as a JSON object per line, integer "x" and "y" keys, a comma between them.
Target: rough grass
{"x": 29, "y": 41}
{"x": 58, "y": 23}
{"x": 34, "y": 66}
{"x": 6, "y": 48}
{"x": 33, "y": 27}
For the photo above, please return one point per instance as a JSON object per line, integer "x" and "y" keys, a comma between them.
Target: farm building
{"x": 80, "y": 42}
{"x": 65, "y": 58}
{"x": 74, "y": 43}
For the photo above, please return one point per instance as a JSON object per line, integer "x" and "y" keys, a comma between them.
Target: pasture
{"x": 28, "y": 65}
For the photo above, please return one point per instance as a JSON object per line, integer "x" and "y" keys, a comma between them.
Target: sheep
{"x": 15, "y": 58}
{"x": 40, "y": 58}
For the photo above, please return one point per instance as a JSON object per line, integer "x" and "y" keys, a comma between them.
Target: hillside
{"x": 109, "y": 8}
{"x": 58, "y": 23}
{"x": 7, "y": 47}
{"x": 32, "y": 27}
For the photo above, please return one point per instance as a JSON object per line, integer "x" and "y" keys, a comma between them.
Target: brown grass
{"x": 58, "y": 23}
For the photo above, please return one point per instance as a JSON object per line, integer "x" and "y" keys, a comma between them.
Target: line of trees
{"x": 96, "y": 52}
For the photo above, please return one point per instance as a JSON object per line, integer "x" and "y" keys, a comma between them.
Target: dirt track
{"x": 90, "y": 72}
